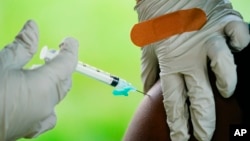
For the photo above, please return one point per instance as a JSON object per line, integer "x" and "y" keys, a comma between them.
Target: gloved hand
{"x": 180, "y": 60}
{"x": 222, "y": 22}
{"x": 28, "y": 96}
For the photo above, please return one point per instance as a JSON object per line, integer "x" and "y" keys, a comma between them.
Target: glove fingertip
{"x": 70, "y": 44}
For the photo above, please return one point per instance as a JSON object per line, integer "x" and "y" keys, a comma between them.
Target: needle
{"x": 141, "y": 92}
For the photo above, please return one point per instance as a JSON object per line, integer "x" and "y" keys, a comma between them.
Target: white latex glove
{"x": 28, "y": 97}
{"x": 223, "y": 23}
{"x": 181, "y": 63}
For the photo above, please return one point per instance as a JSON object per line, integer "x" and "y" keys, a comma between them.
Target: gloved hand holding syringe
{"x": 122, "y": 87}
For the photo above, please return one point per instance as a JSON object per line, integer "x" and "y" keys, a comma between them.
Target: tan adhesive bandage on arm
{"x": 167, "y": 25}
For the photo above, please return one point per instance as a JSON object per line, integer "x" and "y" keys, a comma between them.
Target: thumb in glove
{"x": 238, "y": 34}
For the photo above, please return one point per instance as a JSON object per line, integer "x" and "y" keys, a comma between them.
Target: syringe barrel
{"x": 102, "y": 76}
{"x": 97, "y": 74}
{"x": 86, "y": 69}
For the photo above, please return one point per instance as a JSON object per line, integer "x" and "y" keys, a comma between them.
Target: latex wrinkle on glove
{"x": 28, "y": 96}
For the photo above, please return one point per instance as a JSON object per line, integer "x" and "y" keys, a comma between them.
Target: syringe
{"x": 122, "y": 87}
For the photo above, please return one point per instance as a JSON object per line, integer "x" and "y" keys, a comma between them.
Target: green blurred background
{"x": 89, "y": 112}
